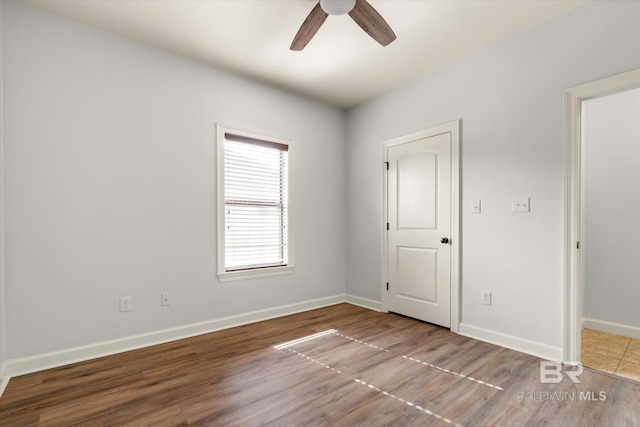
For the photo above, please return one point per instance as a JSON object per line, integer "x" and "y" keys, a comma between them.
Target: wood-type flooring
{"x": 367, "y": 369}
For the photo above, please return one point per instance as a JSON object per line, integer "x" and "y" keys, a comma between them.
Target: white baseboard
{"x": 512, "y": 342}
{"x": 54, "y": 359}
{"x": 4, "y": 379}
{"x": 612, "y": 328}
{"x": 44, "y": 361}
{"x": 364, "y": 302}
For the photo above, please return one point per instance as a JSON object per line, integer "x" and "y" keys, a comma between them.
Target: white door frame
{"x": 454, "y": 128}
{"x": 574, "y": 202}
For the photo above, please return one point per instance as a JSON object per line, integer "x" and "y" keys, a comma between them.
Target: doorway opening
{"x": 576, "y": 239}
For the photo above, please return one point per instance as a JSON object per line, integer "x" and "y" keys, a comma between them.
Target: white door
{"x": 419, "y": 203}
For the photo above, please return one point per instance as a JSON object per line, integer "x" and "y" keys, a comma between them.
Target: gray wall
{"x": 109, "y": 178}
{"x": 3, "y": 335}
{"x": 611, "y": 141}
{"x": 510, "y": 100}
{"x": 110, "y": 186}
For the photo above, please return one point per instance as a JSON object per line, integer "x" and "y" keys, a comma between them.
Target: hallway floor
{"x": 611, "y": 353}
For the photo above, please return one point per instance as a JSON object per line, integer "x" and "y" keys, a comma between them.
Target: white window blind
{"x": 255, "y": 201}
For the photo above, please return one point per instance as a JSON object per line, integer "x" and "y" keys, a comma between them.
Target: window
{"x": 254, "y": 205}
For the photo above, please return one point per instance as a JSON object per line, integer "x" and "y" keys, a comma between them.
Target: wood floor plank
{"x": 577, "y": 404}
{"x": 622, "y": 409}
{"x": 391, "y": 373}
{"x": 424, "y": 388}
{"x": 516, "y": 404}
{"x": 279, "y": 400}
{"x": 343, "y": 401}
{"x": 377, "y": 369}
{"x": 307, "y": 416}
{"x": 381, "y": 410}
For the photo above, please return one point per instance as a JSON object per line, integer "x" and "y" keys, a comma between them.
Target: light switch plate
{"x": 125, "y": 304}
{"x": 485, "y": 297}
{"x": 520, "y": 204}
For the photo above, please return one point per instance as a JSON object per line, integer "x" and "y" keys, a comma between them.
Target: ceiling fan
{"x": 359, "y": 10}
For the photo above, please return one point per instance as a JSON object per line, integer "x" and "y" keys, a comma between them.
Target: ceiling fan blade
{"x": 309, "y": 28}
{"x": 372, "y": 22}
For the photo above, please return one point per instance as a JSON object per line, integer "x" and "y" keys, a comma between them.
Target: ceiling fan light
{"x": 337, "y": 7}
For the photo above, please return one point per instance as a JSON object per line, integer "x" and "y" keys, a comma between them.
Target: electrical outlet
{"x": 165, "y": 299}
{"x": 125, "y": 303}
{"x": 485, "y": 297}
{"x": 475, "y": 206}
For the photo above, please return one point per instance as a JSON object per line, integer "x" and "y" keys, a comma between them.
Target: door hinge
{"x": 387, "y": 285}
{"x": 387, "y": 226}
{"x": 387, "y": 164}
{"x": 578, "y": 245}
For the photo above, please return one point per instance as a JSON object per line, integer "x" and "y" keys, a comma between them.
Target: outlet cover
{"x": 520, "y": 204}
{"x": 475, "y": 206}
{"x": 165, "y": 299}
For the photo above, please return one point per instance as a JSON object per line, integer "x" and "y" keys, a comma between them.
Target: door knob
{"x": 444, "y": 240}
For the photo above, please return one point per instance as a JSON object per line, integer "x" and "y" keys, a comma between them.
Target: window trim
{"x": 227, "y": 276}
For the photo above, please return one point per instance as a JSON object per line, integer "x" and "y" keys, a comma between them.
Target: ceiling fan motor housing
{"x": 337, "y": 7}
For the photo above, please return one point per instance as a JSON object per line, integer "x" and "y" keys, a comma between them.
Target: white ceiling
{"x": 342, "y": 65}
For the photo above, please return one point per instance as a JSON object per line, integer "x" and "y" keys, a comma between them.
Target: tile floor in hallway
{"x": 611, "y": 353}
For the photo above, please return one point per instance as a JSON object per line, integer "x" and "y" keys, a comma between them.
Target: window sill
{"x": 231, "y": 276}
